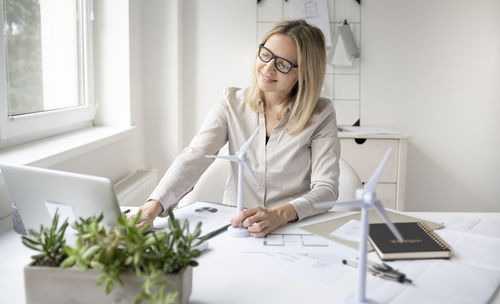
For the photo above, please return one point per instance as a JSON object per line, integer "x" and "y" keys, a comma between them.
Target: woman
{"x": 296, "y": 151}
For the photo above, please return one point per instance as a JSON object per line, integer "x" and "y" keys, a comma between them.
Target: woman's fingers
{"x": 259, "y": 221}
{"x": 243, "y": 216}
{"x": 149, "y": 211}
{"x": 258, "y": 226}
{"x": 262, "y": 233}
{"x": 256, "y": 218}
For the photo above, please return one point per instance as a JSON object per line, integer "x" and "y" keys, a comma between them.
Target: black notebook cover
{"x": 420, "y": 242}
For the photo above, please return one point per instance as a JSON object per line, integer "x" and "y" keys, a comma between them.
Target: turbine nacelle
{"x": 241, "y": 155}
{"x": 367, "y": 197}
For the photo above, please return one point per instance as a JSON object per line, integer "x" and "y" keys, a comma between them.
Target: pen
{"x": 211, "y": 234}
{"x": 383, "y": 271}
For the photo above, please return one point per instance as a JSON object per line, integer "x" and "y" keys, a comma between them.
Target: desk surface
{"x": 221, "y": 280}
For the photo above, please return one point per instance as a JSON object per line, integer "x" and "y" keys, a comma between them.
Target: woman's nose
{"x": 270, "y": 66}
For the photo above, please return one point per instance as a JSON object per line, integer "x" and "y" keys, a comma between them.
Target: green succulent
{"x": 128, "y": 247}
{"x": 125, "y": 247}
{"x": 48, "y": 242}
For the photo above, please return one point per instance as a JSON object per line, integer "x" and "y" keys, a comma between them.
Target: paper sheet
{"x": 478, "y": 250}
{"x": 350, "y": 231}
{"x": 296, "y": 264}
{"x": 300, "y": 243}
{"x": 451, "y": 237}
{"x": 487, "y": 228}
{"x": 314, "y": 12}
{"x": 460, "y": 282}
{"x": 293, "y": 255}
{"x": 461, "y": 223}
{"x": 212, "y": 216}
{"x": 440, "y": 281}
{"x": 474, "y": 241}
{"x": 417, "y": 296}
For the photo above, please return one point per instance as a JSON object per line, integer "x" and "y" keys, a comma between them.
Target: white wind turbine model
{"x": 366, "y": 199}
{"x": 240, "y": 158}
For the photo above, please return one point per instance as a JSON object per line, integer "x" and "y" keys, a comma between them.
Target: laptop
{"x": 37, "y": 193}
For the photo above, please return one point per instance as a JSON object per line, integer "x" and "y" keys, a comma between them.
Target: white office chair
{"x": 211, "y": 185}
{"x": 349, "y": 181}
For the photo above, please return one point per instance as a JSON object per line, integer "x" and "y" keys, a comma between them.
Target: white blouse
{"x": 300, "y": 169}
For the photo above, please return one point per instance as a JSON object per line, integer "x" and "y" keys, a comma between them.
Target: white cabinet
{"x": 364, "y": 153}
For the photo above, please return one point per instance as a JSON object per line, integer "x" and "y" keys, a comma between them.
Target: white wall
{"x": 161, "y": 80}
{"x": 432, "y": 68}
{"x": 219, "y": 44}
{"x": 215, "y": 48}
{"x": 118, "y": 57}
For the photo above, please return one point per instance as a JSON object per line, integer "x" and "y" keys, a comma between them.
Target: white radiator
{"x": 134, "y": 189}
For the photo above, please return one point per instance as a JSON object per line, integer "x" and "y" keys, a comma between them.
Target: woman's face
{"x": 270, "y": 79}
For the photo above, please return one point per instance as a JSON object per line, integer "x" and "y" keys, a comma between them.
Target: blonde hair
{"x": 311, "y": 72}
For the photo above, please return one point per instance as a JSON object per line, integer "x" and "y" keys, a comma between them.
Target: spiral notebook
{"x": 420, "y": 242}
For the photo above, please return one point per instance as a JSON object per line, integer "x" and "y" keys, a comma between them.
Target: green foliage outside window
{"x": 23, "y": 56}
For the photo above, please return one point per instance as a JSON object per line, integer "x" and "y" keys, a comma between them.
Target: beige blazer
{"x": 300, "y": 169}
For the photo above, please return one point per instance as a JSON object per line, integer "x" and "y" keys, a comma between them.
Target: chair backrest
{"x": 349, "y": 181}
{"x": 211, "y": 185}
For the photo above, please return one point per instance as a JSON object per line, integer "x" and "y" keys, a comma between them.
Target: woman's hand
{"x": 261, "y": 221}
{"x": 149, "y": 211}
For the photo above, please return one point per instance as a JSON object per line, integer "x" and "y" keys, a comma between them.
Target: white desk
{"x": 218, "y": 280}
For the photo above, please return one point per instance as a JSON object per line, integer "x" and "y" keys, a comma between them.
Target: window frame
{"x": 28, "y": 127}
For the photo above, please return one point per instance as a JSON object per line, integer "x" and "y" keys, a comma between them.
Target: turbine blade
{"x": 372, "y": 183}
{"x": 244, "y": 148}
{"x": 381, "y": 211}
{"x": 249, "y": 167}
{"x": 226, "y": 157}
{"x": 351, "y": 203}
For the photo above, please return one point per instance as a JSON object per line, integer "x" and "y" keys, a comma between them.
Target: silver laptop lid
{"x": 37, "y": 193}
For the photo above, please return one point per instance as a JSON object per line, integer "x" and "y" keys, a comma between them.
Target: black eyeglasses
{"x": 281, "y": 64}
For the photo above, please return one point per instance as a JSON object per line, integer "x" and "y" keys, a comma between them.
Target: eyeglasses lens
{"x": 281, "y": 65}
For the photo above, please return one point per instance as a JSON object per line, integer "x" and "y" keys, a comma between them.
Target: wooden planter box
{"x": 71, "y": 285}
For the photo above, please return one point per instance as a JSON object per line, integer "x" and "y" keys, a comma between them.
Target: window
{"x": 46, "y": 68}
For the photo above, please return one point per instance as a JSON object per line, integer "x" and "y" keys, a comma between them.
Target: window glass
{"x": 41, "y": 39}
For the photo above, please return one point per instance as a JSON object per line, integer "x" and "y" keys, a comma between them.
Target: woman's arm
{"x": 325, "y": 155}
{"x": 188, "y": 166}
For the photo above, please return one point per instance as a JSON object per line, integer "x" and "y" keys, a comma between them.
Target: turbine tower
{"x": 241, "y": 158}
{"x": 366, "y": 200}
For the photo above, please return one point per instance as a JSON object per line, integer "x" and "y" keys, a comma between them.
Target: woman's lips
{"x": 267, "y": 79}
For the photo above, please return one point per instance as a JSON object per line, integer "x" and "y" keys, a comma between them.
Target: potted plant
{"x": 147, "y": 265}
